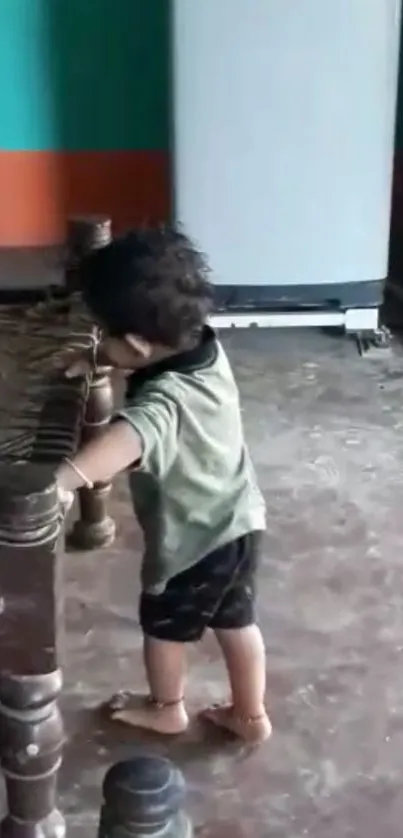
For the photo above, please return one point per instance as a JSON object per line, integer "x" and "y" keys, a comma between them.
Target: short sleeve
{"x": 154, "y": 417}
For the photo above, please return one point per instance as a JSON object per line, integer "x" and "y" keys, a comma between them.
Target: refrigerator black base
{"x": 333, "y": 297}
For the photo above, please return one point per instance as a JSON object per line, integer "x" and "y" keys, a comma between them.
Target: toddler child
{"x": 194, "y": 490}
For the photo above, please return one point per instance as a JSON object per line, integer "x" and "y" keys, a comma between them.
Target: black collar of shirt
{"x": 200, "y": 357}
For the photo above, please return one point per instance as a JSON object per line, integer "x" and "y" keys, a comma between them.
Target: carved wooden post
{"x": 84, "y": 233}
{"x": 144, "y": 798}
{"x": 31, "y": 728}
{"x": 94, "y": 528}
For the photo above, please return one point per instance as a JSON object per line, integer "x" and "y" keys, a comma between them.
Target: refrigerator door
{"x": 284, "y": 117}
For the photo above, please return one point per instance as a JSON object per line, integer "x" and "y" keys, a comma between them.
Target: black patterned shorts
{"x": 218, "y": 593}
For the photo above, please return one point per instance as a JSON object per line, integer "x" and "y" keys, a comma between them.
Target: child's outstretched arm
{"x": 102, "y": 458}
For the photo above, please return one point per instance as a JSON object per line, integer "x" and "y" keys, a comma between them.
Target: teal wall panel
{"x": 83, "y": 75}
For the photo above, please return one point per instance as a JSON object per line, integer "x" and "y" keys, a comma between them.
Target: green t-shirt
{"x": 194, "y": 489}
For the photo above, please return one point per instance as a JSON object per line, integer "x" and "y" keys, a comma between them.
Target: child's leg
{"x": 169, "y": 621}
{"x": 165, "y": 663}
{"x": 164, "y": 711}
{"x": 242, "y": 645}
{"x": 244, "y": 655}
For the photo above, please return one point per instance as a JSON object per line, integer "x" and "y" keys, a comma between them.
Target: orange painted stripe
{"x": 38, "y": 190}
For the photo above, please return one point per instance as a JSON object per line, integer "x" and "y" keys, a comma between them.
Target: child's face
{"x": 128, "y": 353}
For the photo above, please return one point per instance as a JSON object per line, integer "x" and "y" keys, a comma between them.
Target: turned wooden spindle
{"x": 84, "y": 234}
{"x": 31, "y": 615}
{"x": 144, "y": 798}
{"x": 94, "y": 528}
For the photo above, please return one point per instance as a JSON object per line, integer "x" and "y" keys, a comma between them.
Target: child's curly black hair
{"x": 152, "y": 283}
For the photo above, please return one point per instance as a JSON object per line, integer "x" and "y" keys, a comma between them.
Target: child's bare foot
{"x": 254, "y": 731}
{"x": 139, "y": 711}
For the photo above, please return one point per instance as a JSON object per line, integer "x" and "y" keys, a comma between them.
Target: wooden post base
{"x": 144, "y": 798}
{"x": 91, "y": 532}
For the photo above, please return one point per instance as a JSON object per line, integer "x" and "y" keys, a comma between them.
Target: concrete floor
{"x": 326, "y": 433}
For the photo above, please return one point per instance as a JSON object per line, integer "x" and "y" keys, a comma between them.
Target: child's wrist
{"x": 79, "y": 474}
{"x": 69, "y": 477}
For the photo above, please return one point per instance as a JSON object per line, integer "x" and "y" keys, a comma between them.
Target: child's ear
{"x": 139, "y": 346}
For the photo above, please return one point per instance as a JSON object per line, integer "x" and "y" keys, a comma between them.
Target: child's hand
{"x": 66, "y": 500}
{"x": 79, "y": 364}
{"x": 76, "y": 362}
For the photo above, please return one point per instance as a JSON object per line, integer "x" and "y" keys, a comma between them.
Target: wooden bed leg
{"x": 95, "y": 528}
{"x": 84, "y": 234}
{"x": 31, "y": 742}
{"x": 31, "y": 615}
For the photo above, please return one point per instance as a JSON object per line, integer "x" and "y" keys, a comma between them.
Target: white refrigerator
{"x": 283, "y": 142}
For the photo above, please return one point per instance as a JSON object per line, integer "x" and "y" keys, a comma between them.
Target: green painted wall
{"x": 79, "y": 75}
